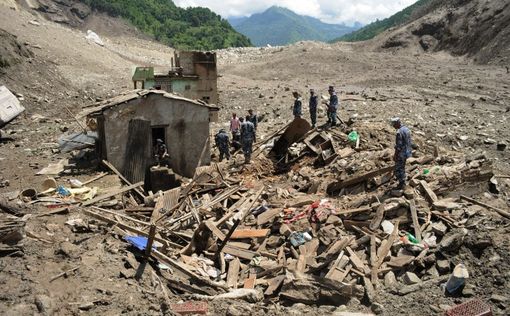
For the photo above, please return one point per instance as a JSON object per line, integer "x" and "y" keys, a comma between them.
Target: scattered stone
{"x": 439, "y": 228}
{"x": 443, "y": 266}
{"x": 390, "y": 280}
{"x": 496, "y": 298}
{"x": 489, "y": 141}
{"x": 86, "y": 306}
{"x": 411, "y": 278}
{"x": 44, "y": 304}
{"x": 468, "y": 290}
{"x": 453, "y": 241}
{"x": 377, "y": 308}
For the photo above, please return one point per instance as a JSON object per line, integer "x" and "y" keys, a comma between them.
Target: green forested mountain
{"x": 280, "y": 26}
{"x": 379, "y": 26}
{"x": 191, "y": 28}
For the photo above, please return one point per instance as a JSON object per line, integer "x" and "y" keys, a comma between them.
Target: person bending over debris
{"x": 247, "y": 138}
{"x": 161, "y": 153}
{"x": 314, "y": 101}
{"x": 403, "y": 150}
{"x": 297, "y": 110}
{"x": 222, "y": 142}
{"x": 332, "y": 106}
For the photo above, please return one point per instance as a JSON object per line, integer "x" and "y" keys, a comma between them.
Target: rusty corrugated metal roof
{"x": 135, "y": 94}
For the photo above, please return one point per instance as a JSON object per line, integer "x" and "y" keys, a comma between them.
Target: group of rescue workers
{"x": 244, "y": 130}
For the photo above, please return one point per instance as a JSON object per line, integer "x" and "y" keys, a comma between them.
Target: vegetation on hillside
{"x": 281, "y": 26}
{"x": 379, "y": 26}
{"x": 191, "y": 28}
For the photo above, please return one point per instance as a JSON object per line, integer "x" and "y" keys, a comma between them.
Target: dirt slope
{"x": 477, "y": 29}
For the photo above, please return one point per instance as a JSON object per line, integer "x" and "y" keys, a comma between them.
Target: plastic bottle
{"x": 412, "y": 239}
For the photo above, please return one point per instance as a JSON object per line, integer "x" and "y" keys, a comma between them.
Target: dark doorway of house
{"x": 158, "y": 133}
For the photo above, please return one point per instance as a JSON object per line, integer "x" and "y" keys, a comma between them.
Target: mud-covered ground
{"x": 451, "y": 102}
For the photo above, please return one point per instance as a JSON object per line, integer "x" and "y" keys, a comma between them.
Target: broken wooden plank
{"x": 249, "y": 233}
{"x": 274, "y": 284}
{"x": 65, "y": 273}
{"x": 301, "y": 263}
{"x": 112, "y": 194}
{"x": 432, "y": 197}
{"x": 238, "y": 252}
{"x": 487, "y": 206}
{"x": 233, "y": 273}
{"x": 386, "y": 247}
{"x": 356, "y": 261}
{"x": 267, "y": 216}
{"x": 112, "y": 168}
{"x": 99, "y": 176}
{"x": 215, "y": 230}
{"x": 373, "y": 261}
{"x": 416, "y": 224}
{"x": 249, "y": 283}
{"x": 337, "y": 186}
{"x": 358, "y": 210}
{"x": 181, "y": 268}
{"x": 334, "y": 266}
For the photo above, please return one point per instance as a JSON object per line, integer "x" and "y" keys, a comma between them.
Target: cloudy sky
{"x": 329, "y": 11}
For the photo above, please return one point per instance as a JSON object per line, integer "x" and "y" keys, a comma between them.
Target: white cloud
{"x": 330, "y": 11}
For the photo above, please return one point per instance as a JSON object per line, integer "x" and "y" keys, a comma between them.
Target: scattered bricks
{"x": 411, "y": 278}
{"x": 439, "y": 228}
{"x": 468, "y": 290}
{"x": 443, "y": 266}
{"x": 190, "y": 307}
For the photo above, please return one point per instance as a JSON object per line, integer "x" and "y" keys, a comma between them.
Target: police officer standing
{"x": 403, "y": 150}
{"x": 222, "y": 142}
{"x": 298, "y": 105}
{"x": 252, "y": 117}
{"x": 247, "y": 138}
{"x": 314, "y": 101}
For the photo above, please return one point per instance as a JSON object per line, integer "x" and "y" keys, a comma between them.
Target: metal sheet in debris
{"x": 10, "y": 107}
{"x": 77, "y": 141}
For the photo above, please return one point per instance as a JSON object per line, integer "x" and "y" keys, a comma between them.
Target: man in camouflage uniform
{"x": 298, "y": 105}
{"x": 312, "y": 104}
{"x": 247, "y": 138}
{"x": 332, "y": 106}
{"x": 222, "y": 142}
{"x": 403, "y": 150}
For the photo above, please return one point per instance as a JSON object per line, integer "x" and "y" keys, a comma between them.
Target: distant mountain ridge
{"x": 281, "y": 26}
{"x": 373, "y": 29}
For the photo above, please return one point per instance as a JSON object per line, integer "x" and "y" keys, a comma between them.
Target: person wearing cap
{"x": 312, "y": 104}
{"x": 298, "y": 105}
{"x": 222, "y": 142}
{"x": 247, "y": 138}
{"x": 403, "y": 150}
{"x": 161, "y": 153}
{"x": 332, "y": 106}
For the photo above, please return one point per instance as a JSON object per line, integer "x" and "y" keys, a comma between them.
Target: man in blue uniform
{"x": 314, "y": 101}
{"x": 222, "y": 141}
{"x": 403, "y": 150}
{"x": 332, "y": 106}
{"x": 298, "y": 105}
{"x": 247, "y": 138}
{"x": 252, "y": 117}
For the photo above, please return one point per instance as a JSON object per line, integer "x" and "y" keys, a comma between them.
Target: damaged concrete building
{"x": 129, "y": 125}
{"x": 194, "y": 75}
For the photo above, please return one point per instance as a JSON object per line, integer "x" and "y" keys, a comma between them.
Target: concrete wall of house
{"x": 187, "y": 129}
{"x": 207, "y": 87}
{"x": 185, "y": 87}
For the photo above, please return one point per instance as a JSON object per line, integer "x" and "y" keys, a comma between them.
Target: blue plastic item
{"x": 139, "y": 242}
{"x": 62, "y": 191}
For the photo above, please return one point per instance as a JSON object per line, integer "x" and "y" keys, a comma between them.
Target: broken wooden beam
{"x": 249, "y": 233}
{"x": 337, "y": 186}
{"x": 432, "y": 197}
{"x": 487, "y": 206}
{"x": 112, "y": 194}
{"x": 114, "y": 170}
